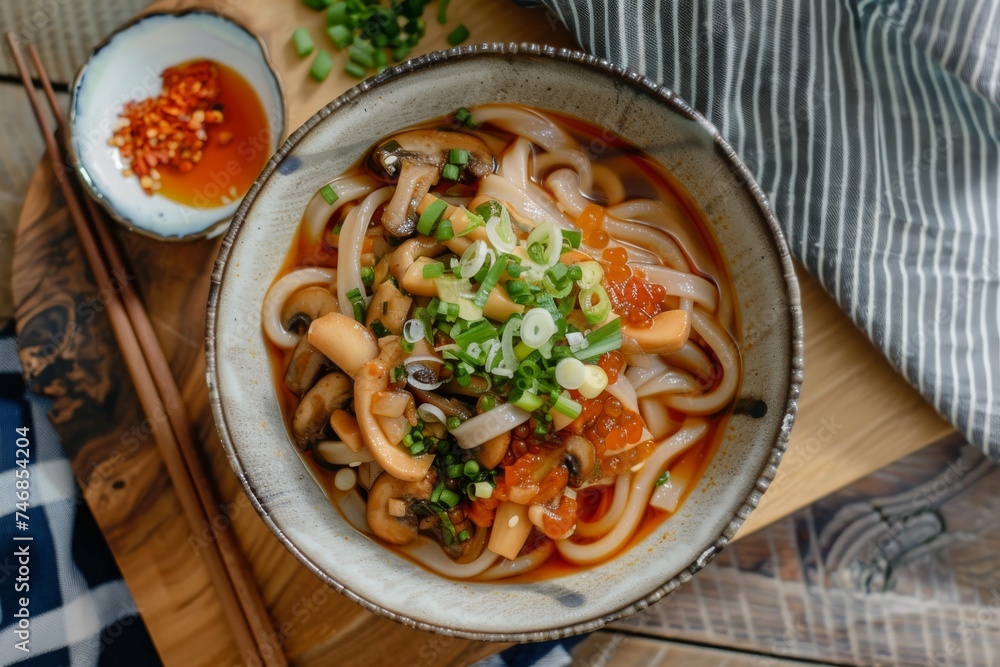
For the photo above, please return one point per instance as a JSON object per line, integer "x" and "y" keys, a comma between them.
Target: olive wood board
{"x": 856, "y": 415}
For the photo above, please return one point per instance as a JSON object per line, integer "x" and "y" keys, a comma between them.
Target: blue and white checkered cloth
{"x": 80, "y": 612}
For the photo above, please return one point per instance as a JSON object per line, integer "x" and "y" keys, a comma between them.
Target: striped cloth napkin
{"x": 872, "y": 125}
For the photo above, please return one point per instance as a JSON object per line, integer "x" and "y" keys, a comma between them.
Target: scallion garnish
{"x": 321, "y": 66}
{"x": 431, "y": 216}
{"x": 606, "y": 339}
{"x": 478, "y": 333}
{"x": 328, "y": 194}
{"x": 367, "y": 275}
{"x": 595, "y": 304}
{"x": 574, "y": 236}
{"x": 567, "y": 405}
{"x": 302, "y": 42}
{"x": 458, "y": 35}
{"x": 358, "y": 303}
{"x": 458, "y": 156}
{"x": 339, "y": 35}
{"x": 433, "y": 270}
{"x": 445, "y": 232}
{"x": 464, "y": 117}
{"x": 526, "y": 401}
{"x": 449, "y": 172}
{"x": 379, "y": 329}
{"x": 490, "y": 281}
{"x": 663, "y": 479}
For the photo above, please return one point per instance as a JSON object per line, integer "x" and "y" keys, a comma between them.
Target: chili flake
{"x": 169, "y": 130}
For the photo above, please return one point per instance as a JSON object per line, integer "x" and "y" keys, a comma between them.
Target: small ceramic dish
{"x": 127, "y": 67}
{"x": 647, "y": 116}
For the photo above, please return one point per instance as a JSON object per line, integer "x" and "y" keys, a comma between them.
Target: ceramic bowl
{"x": 127, "y": 66}
{"x": 294, "y": 506}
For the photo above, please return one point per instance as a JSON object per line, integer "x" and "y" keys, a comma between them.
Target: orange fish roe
{"x": 171, "y": 129}
{"x": 634, "y": 298}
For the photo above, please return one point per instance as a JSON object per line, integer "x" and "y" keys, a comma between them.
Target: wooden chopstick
{"x": 236, "y": 563}
{"x": 157, "y": 390}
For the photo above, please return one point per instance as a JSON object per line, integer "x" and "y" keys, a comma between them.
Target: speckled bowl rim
{"x": 83, "y": 176}
{"x": 780, "y": 248}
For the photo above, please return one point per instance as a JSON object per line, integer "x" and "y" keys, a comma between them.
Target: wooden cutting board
{"x": 69, "y": 354}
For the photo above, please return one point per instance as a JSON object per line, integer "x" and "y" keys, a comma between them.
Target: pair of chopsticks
{"x": 159, "y": 395}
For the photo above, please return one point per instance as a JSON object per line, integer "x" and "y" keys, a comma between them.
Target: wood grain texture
{"x": 849, "y": 406}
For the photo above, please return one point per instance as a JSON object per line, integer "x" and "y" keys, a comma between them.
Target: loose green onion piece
{"x": 548, "y": 303}
{"x": 367, "y": 275}
{"x": 321, "y": 66}
{"x": 381, "y": 60}
{"x": 361, "y": 56}
{"x": 303, "y": 42}
{"x": 339, "y": 35}
{"x": 380, "y": 41}
{"x": 484, "y": 489}
{"x": 490, "y": 281}
{"x": 463, "y": 536}
{"x": 459, "y": 157}
{"x": 491, "y": 208}
{"x": 408, "y": 439}
{"x": 574, "y": 236}
{"x": 571, "y": 373}
{"x": 433, "y": 270}
{"x": 591, "y": 274}
{"x": 464, "y": 116}
{"x": 337, "y": 14}
{"x": 358, "y": 304}
{"x": 450, "y": 172}
{"x": 515, "y": 287}
{"x": 471, "y": 468}
{"x": 567, "y": 406}
{"x": 527, "y": 401}
{"x": 445, "y": 232}
{"x": 354, "y": 294}
{"x": 606, "y": 339}
{"x": 595, "y": 312}
{"x": 478, "y": 333}
{"x": 663, "y": 479}
{"x": 574, "y": 272}
{"x": 443, "y": 11}
{"x": 431, "y": 216}
{"x": 514, "y": 270}
{"x": 529, "y": 369}
{"x": 337, "y": 229}
{"x": 328, "y": 194}
{"x": 317, "y": 4}
{"x": 458, "y": 35}
{"x": 379, "y": 329}
{"x": 541, "y": 428}
{"x": 474, "y": 222}
{"x": 365, "y": 45}
{"x": 436, "y": 493}
{"x": 399, "y": 54}
{"x": 453, "y": 423}
{"x": 454, "y": 471}
{"x": 536, "y": 252}
{"x": 417, "y": 448}
{"x": 557, "y": 272}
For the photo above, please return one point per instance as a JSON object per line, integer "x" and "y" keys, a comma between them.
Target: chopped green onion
{"x": 337, "y": 14}
{"x": 321, "y": 66}
{"x": 463, "y": 536}
{"x": 361, "y": 56}
{"x": 591, "y": 274}
{"x": 442, "y": 15}
{"x": 595, "y": 312}
{"x": 570, "y": 373}
{"x": 379, "y": 329}
{"x": 536, "y": 253}
{"x": 487, "y": 402}
{"x": 514, "y": 270}
{"x": 453, "y": 423}
{"x": 663, "y": 479}
{"x": 526, "y": 401}
{"x": 367, "y": 275}
{"x": 574, "y": 236}
{"x": 606, "y": 339}
{"x": 358, "y": 303}
{"x": 541, "y": 428}
{"x": 458, "y": 35}
{"x": 483, "y": 489}
{"x": 433, "y": 270}
{"x": 399, "y": 54}
{"x": 445, "y": 232}
{"x": 490, "y": 281}
{"x": 478, "y": 333}
{"x": 458, "y": 156}
{"x": 328, "y": 194}
{"x": 515, "y": 287}
{"x": 317, "y": 4}
{"x": 574, "y": 272}
{"x": 339, "y": 35}
{"x": 436, "y": 493}
{"x": 454, "y": 471}
{"x": 471, "y": 468}
{"x": 567, "y": 406}
{"x": 464, "y": 116}
{"x": 529, "y": 369}
{"x": 473, "y": 220}
{"x": 417, "y": 448}
{"x": 450, "y": 172}
{"x": 431, "y": 216}
{"x": 303, "y": 42}
{"x": 490, "y": 209}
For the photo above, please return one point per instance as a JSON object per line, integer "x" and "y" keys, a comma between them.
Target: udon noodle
{"x": 505, "y": 341}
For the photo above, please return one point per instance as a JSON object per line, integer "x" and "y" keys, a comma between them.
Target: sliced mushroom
{"x": 397, "y": 530}
{"x": 312, "y": 417}
{"x": 408, "y": 252}
{"x": 579, "y": 459}
{"x": 414, "y": 161}
{"x": 449, "y": 406}
{"x": 305, "y": 306}
{"x": 304, "y": 367}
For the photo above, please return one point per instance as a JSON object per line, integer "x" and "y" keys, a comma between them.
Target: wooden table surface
{"x": 856, "y": 414}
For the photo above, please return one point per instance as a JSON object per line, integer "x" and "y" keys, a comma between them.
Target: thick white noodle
{"x": 579, "y": 163}
{"x": 640, "y": 490}
{"x": 656, "y": 417}
{"x": 524, "y": 123}
{"x": 623, "y": 390}
{"x": 278, "y": 294}
{"x": 534, "y": 208}
{"x": 722, "y": 344}
{"x": 352, "y": 235}
{"x": 670, "y": 382}
{"x": 610, "y": 518}
{"x": 607, "y": 181}
{"x": 644, "y": 367}
{"x": 653, "y": 239}
{"x": 682, "y": 284}
{"x": 514, "y": 162}
{"x": 318, "y": 212}
{"x": 692, "y": 359}
{"x": 526, "y": 563}
{"x": 430, "y": 554}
